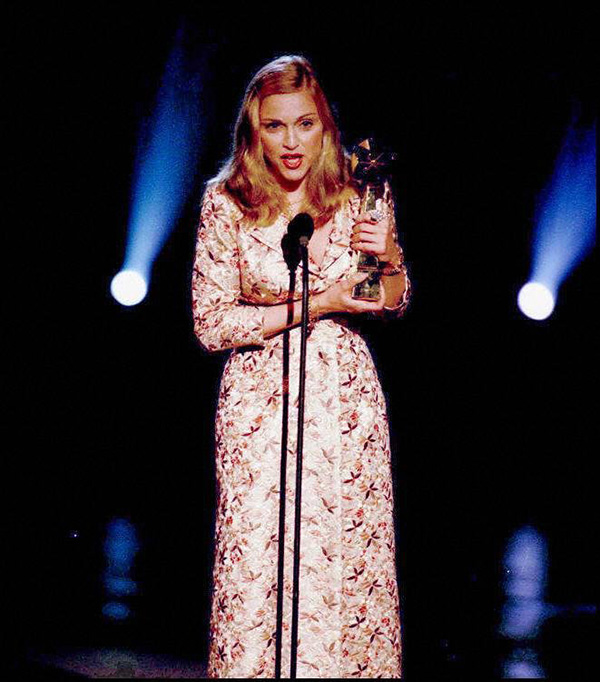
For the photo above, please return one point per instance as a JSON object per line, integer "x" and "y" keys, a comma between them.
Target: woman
{"x": 286, "y": 159}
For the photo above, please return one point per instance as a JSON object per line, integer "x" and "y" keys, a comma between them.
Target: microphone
{"x": 301, "y": 228}
{"x": 298, "y": 234}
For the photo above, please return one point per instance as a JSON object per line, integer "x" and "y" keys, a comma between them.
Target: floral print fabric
{"x": 349, "y": 624}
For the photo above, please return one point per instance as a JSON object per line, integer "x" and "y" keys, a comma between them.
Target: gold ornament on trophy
{"x": 370, "y": 167}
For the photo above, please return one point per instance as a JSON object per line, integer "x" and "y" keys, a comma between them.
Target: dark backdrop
{"x": 111, "y": 409}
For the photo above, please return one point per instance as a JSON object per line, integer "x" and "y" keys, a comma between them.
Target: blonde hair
{"x": 246, "y": 176}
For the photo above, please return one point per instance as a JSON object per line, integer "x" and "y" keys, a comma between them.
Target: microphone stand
{"x": 299, "y": 451}
{"x": 294, "y": 246}
{"x": 285, "y": 402}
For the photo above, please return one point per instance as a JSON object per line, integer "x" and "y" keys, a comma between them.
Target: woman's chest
{"x": 319, "y": 243}
{"x": 264, "y": 274}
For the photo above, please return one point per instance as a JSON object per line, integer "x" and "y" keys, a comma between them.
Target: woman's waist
{"x": 329, "y": 326}
{"x": 333, "y": 330}
{"x": 332, "y": 342}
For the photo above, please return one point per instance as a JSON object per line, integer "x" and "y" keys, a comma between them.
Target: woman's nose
{"x": 290, "y": 140}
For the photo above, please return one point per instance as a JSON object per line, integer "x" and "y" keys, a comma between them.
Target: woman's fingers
{"x": 350, "y": 282}
{"x": 340, "y": 296}
{"x": 354, "y": 279}
{"x": 357, "y": 234}
{"x": 371, "y": 228}
{"x": 374, "y": 245}
{"x": 367, "y": 238}
{"x": 369, "y": 217}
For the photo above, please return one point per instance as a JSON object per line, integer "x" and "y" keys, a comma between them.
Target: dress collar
{"x": 339, "y": 237}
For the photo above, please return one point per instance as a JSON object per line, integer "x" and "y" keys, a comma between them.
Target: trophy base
{"x": 369, "y": 290}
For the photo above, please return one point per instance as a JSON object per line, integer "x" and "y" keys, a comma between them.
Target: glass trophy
{"x": 370, "y": 169}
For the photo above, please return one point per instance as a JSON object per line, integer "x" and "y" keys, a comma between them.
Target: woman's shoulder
{"x": 218, "y": 200}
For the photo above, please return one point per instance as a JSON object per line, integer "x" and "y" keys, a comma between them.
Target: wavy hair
{"x": 246, "y": 175}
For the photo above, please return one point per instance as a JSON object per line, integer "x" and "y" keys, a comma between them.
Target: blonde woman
{"x": 287, "y": 159}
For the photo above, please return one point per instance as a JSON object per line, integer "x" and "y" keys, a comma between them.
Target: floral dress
{"x": 349, "y": 622}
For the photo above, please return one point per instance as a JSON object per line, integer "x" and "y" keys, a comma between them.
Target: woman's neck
{"x": 295, "y": 200}
{"x": 294, "y": 192}
{"x": 296, "y": 196}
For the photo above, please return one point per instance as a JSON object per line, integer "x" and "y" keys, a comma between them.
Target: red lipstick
{"x": 292, "y": 161}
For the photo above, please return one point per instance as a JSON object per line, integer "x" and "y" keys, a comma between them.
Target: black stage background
{"x": 111, "y": 409}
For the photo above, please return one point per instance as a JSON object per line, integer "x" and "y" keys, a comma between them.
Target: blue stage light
{"x": 565, "y": 222}
{"x": 165, "y": 165}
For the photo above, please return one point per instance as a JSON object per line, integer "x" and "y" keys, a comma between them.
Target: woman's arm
{"x": 379, "y": 237}
{"x": 336, "y": 299}
{"x": 220, "y": 320}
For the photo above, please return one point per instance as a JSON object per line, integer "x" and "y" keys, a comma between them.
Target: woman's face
{"x": 291, "y": 133}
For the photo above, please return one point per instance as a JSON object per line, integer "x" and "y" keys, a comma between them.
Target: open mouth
{"x": 291, "y": 161}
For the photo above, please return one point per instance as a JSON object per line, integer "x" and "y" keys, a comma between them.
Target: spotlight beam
{"x": 166, "y": 164}
{"x": 566, "y": 219}
{"x": 565, "y": 222}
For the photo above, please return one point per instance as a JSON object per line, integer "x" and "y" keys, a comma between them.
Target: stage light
{"x": 565, "y": 221}
{"x": 165, "y": 166}
{"x": 536, "y": 301}
{"x": 128, "y": 287}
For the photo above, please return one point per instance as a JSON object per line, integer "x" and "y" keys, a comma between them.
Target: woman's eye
{"x": 272, "y": 125}
{"x": 307, "y": 124}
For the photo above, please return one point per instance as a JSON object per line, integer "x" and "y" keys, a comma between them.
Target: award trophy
{"x": 369, "y": 168}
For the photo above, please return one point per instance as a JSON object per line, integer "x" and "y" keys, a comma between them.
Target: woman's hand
{"x": 338, "y": 298}
{"x": 375, "y": 237}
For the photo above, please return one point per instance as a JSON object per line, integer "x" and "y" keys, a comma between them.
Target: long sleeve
{"x": 221, "y": 319}
{"x": 388, "y": 207}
